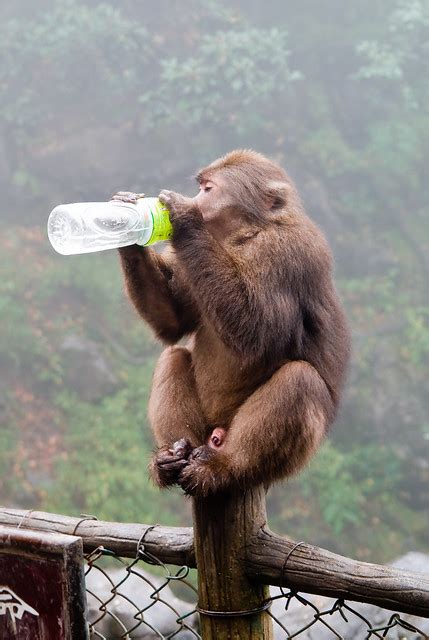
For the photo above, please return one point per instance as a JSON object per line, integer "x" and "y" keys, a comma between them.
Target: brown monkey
{"x": 249, "y": 278}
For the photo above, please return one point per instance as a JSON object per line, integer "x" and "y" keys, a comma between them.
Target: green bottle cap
{"x": 162, "y": 229}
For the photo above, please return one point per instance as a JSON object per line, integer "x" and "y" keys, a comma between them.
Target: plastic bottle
{"x": 85, "y": 227}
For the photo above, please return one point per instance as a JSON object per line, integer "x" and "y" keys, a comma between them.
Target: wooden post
{"x": 223, "y": 525}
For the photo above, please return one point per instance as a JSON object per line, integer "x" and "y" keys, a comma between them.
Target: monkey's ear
{"x": 277, "y": 194}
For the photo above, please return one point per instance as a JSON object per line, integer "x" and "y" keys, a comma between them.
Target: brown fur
{"x": 270, "y": 343}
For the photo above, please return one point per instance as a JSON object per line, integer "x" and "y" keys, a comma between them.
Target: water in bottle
{"x": 84, "y": 227}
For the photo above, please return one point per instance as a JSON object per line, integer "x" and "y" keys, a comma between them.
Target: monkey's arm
{"x": 272, "y": 435}
{"x": 148, "y": 278}
{"x": 237, "y": 295}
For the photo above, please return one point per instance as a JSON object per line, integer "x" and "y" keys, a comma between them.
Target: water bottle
{"x": 84, "y": 227}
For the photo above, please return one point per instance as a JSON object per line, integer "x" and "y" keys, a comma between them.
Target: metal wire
{"x": 309, "y": 617}
{"x": 125, "y": 601}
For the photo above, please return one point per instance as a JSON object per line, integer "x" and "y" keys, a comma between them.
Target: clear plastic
{"x": 85, "y": 227}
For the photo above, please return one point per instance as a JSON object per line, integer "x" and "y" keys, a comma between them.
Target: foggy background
{"x": 97, "y": 97}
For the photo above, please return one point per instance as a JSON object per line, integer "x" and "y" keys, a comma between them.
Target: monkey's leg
{"x": 175, "y": 414}
{"x": 272, "y": 435}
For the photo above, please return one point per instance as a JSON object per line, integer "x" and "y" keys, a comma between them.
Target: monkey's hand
{"x": 184, "y": 212}
{"x": 168, "y": 462}
{"x": 205, "y": 472}
{"x": 127, "y": 196}
{"x": 131, "y": 252}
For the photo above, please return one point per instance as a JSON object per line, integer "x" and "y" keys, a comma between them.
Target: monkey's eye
{"x": 206, "y": 189}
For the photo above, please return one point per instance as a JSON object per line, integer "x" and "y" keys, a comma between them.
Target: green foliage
{"x": 103, "y": 468}
{"x": 351, "y": 486}
{"x": 350, "y": 493}
{"x": 68, "y": 46}
{"x": 400, "y": 55}
{"x": 417, "y": 335}
{"x": 339, "y": 495}
{"x": 9, "y": 482}
{"x": 238, "y": 71}
{"x": 327, "y": 147}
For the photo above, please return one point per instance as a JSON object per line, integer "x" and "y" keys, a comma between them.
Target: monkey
{"x": 257, "y": 340}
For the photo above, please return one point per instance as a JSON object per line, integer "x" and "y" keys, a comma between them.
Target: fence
{"x": 252, "y": 583}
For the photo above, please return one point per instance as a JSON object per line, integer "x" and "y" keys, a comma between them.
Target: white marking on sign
{"x": 14, "y": 605}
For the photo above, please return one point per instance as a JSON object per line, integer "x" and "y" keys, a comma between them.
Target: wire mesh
{"x": 308, "y": 617}
{"x": 127, "y": 601}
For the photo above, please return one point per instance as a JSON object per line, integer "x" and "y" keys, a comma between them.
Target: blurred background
{"x": 101, "y": 96}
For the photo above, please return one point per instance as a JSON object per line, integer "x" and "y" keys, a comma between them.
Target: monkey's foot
{"x": 168, "y": 462}
{"x": 205, "y": 472}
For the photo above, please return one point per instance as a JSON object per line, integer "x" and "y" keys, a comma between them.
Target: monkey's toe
{"x": 204, "y": 474}
{"x": 182, "y": 448}
{"x": 201, "y": 454}
{"x": 165, "y": 467}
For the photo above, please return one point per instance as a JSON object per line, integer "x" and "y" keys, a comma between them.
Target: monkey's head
{"x": 244, "y": 184}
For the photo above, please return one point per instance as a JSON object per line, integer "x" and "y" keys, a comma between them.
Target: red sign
{"x": 42, "y": 586}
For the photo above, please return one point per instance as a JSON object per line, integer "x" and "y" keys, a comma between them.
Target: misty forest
{"x": 97, "y": 97}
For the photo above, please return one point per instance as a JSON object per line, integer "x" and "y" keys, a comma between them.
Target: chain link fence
{"x": 296, "y": 615}
{"x": 126, "y": 600}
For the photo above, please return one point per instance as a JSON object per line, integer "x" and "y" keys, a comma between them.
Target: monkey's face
{"x": 214, "y": 197}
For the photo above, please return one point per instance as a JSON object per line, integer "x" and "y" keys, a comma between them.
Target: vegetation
{"x": 96, "y": 96}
